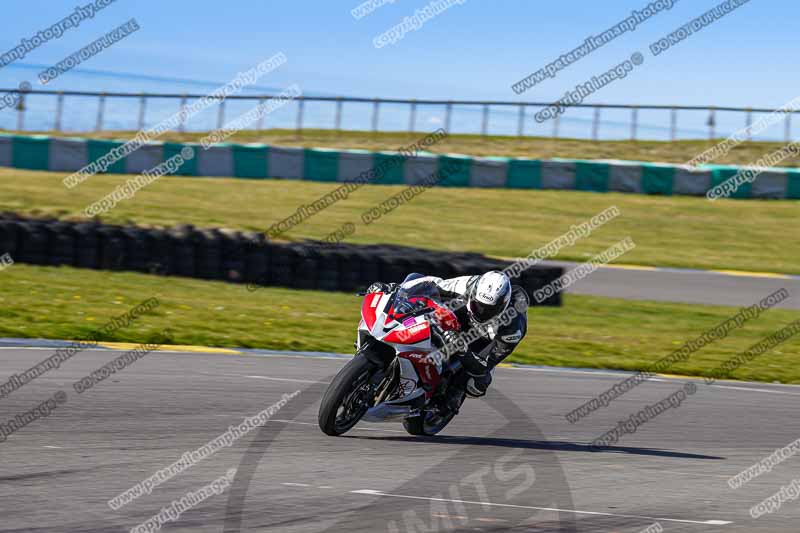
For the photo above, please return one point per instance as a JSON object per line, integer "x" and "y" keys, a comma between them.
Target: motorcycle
{"x": 398, "y": 372}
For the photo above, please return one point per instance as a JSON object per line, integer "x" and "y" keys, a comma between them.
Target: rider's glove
{"x": 448, "y": 342}
{"x": 453, "y": 342}
{"x": 380, "y": 287}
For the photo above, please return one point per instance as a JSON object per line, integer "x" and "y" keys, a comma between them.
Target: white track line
{"x": 588, "y": 372}
{"x": 286, "y": 379}
{"x": 682, "y": 521}
{"x": 36, "y": 348}
{"x": 757, "y": 390}
{"x": 354, "y": 429}
{"x": 270, "y": 378}
{"x": 307, "y": 485}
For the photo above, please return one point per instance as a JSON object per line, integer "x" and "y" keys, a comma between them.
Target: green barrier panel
{"x": 720, "y": 174}
{"x": 657, "y": 179}
{"x": 96, "y": 149}
{"x": 793, "y": 184}
{"x": 591, "y": 176}
{"x": 454, "y": 170}
{"x": 189, "y": 166}
{"x": 320, "y": 164}
{"x": 250, "y": 161}
{"x": 30, "y": 152}
{"x": 389, "y": 168}
{"x": 524, "y": 174}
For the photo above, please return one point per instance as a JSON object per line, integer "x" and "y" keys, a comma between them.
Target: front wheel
{"x": 348, "y": 396}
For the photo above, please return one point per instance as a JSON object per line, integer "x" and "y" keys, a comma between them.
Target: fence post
{"x": 260, "y": 123}
{"x": 21, "y": 112}
{"x": 59, "y": 111}
{"x": 338, "y": 118}
{"x": 101, "y": 104}
{"x": 142, "y": 107}
{"x": 673, "y": 126}
{"x": 299, "y": 126}
{"x": 182, "y": 127}
{"x": 749, "y": 123}
{"x": 221, "y": 115}
{"x": 712, "y": 122}
{"x": 787, "y": 128}
{"x": 375, "y": 110}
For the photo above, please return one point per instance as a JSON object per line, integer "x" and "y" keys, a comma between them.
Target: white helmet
{"x": 490, "y": 297}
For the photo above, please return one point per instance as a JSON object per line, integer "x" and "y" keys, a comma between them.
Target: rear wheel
{"x": 431, "y": 421}
{"x": 348, "y": 396}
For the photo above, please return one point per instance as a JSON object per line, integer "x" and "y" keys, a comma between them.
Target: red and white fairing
{"x": 411, "y": 339}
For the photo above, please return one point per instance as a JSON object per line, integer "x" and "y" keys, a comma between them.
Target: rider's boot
{"x": 477, "y": 385}
{"x": 479, "y": 375}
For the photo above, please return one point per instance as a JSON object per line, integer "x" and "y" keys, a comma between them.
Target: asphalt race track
{"x": 510, "y": 462}
{"x": 684, "y": 285}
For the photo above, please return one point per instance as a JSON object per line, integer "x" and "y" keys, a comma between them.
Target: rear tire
{"x": 424, "y": 425}
{"x": 348, "y": 381}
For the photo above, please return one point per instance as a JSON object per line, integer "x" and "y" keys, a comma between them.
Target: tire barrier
{"x": 240, "y": 257}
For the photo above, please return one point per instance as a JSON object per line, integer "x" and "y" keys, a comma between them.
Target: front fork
{"x": 389, "y": 382}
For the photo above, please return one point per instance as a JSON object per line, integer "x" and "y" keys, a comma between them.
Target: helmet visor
{"x": 484, "y": 312}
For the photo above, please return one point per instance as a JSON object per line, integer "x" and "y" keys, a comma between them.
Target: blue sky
{"x": 475, "y": 50}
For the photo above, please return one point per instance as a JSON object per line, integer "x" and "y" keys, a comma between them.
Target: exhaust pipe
{"x": 386, "y": 413}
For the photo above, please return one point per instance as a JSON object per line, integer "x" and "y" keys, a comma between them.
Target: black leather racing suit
{"x": 495, "y": 343}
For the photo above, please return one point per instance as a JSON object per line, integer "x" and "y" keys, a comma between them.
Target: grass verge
{"x": 668, "y": 231}
{"x": 593, "y": 332}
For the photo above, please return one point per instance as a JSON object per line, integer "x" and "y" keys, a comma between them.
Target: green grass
{"x": 595, "y": 332}
{"x": 533, "y": 147}
{"x": 668, "y": 231}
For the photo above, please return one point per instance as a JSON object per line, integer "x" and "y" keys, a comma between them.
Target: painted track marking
{"x": 286, "y": 379}
{"x": 595, "y": 513}
{"x": 354, "y": 429}
{"x": 757, "y": 390}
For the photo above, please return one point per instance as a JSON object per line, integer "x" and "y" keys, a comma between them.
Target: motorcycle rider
{"x": 477, "y": 301}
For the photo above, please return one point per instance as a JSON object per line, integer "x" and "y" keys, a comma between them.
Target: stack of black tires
{"x": 241, "y": 257}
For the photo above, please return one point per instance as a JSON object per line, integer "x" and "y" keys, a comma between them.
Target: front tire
{"x": 348, "y": 396}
